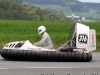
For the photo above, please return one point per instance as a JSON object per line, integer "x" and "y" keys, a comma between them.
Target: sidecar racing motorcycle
{"x": 81, "y": 43}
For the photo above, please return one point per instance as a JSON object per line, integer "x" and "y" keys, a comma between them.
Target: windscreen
{"x": 19, "y": 45}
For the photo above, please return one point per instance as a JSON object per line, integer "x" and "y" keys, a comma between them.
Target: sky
{"x": 90, "y": 1}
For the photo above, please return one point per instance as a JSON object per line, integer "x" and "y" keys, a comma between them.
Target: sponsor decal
{"x": 93, "y": 39}
{"x": 39, "y": 48}
{"x": 83, "y": 38}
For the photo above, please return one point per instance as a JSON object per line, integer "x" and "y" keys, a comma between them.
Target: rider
{"x": 46, "y": 40}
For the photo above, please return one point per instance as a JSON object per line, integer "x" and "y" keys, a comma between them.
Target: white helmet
{"x": 41, "y": 29}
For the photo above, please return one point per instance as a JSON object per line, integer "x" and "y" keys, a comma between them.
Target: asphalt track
{"x": 50, "y": 68}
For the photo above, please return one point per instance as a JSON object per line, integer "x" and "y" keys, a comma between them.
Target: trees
{"x": 9, "y": 9}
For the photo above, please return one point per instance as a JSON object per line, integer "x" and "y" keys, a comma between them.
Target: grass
{"x": 14, "y": 30}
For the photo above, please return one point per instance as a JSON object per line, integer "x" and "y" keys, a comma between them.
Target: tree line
{"x": 10, "y": 9}
{"x": 74, "y": 5}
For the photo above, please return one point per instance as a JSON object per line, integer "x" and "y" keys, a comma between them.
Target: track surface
{"x": 50, "y": 68}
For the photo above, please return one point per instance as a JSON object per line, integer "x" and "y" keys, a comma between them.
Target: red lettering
{"x": 92, "y": 38}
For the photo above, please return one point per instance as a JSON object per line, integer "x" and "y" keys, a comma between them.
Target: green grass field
{"x": 17, "y": 30}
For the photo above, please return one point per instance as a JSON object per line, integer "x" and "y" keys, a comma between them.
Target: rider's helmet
{"x": 41, "y": 29}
